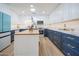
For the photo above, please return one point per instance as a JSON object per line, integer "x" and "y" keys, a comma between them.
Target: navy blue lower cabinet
{"x": 70, "y": 50}
{"x": 57, "y": 38}
{"x": 70, "y": 45}
{"x": 73, "y": 43}
{"x": 67, "y": 51}
{"x": 45, "y": 32}
{"x": 50, "y": 34}
{"x": 73, "y": 40}
{"x": 71, "y": 37}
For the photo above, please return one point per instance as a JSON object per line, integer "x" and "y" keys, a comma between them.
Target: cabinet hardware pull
{"x": 70, "y": 38}
{"x": 68, "y": 54}
{"x": 71, "y": 46}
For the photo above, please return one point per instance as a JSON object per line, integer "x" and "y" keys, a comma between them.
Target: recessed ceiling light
{"x": 43, "y": 12}
{"x": 23, "y": 11}
{"x": 31, "y": 5}
{"x": 32, "y": 9}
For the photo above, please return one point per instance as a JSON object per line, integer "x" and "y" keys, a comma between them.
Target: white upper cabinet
{"x": 57, "y": 15}
{"x": 67, "y": 11}
{"x": 75, "y": 11}
{"x": 71, "y": 11}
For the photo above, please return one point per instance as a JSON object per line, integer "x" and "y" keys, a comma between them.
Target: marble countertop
{"x": 75, "y": 33}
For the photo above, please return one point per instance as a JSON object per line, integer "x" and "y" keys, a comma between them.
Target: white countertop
{"x": 27, "y": 32}
{"x": 75, "y": 33}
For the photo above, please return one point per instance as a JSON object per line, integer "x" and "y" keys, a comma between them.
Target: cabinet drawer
{"x": 50, "y": 34}
{"x": 4, "y": 34}
{"x": 73, "y": 47}
{"x": 67, "y": 41}
{"x": 45, "y": 32}
{"x": 71, "y": 37}
{"x": 70, "y": 50}
{"x": 4, "y": 42}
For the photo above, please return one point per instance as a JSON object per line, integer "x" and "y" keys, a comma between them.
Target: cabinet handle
{"x": 70, "y": 38}
{"x": 70, "y": 46}
{"x": 68, "y": 54}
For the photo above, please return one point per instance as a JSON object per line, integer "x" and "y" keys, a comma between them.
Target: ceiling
{"x": 43, "y": 9}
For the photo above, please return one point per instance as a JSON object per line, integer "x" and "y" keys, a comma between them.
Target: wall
{"x": 14, "y": 16}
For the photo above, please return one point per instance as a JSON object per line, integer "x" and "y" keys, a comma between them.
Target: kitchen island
{"x": 26, "y": 43}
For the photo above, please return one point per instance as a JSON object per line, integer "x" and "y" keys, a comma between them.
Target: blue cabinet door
{"x": 0, "y": 22}
{"x": 49, "y": 34}
{"x": 57, "y": 38}
{"x": 71, "y": 43}
{"x": 68, "y": 49}
{"x": 6, "y": 22}
{"x": 45, "y": 32}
